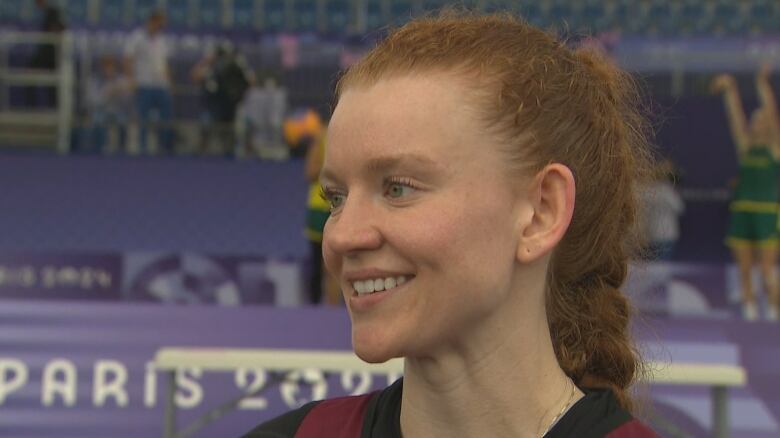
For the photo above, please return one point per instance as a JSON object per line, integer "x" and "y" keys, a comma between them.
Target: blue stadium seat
{"x": 762, "y": 17}
{"x": 374, "y": 16}
{"x": 631, "y": 17}
{"x": 659, "y": 19}
{"x": 112, "y": 14}
{"x": 561, "y": 15}
{"x": 491, "y": 6}
{"x": 472, "y": 4}
{"x": 11, "y": 12}
{"x": 593, "y": 17}
{"x": 75, "y": 12}
{"x": 208, "y": 15}
{"x": 274, "y": 16}
{"x": 725, "y": 18}
{"x": 143, "y": 8}
{"x": 433, "y": 5}
{"x": 694, "y": 17}
{"x": 533, "y": 13}
{"x": 428, "y": 6}
{"x": 740, "y": 26}
{"x": 400, "y": 11}
{"x": 305, "y": 16}
{"x": 177, "y": 14}
{"x": 243, "y": 15}
{"x": 338, "y": 16}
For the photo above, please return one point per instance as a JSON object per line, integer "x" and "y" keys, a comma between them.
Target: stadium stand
{"x": 664, "y": 18}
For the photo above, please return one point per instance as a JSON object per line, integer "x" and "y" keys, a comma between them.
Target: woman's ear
{"x": 551, "y": 196}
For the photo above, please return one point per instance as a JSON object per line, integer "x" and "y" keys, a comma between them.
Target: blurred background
{"x": 156, "y": 162}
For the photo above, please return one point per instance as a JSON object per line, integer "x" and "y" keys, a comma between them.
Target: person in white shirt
{"x": 146, "y": 62}
{"x": 261, "y": 114}
{"x": 108, "y": 99}
{"x": 662, "y": 209}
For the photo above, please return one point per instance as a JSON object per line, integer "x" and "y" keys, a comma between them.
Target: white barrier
{"x": 718, "y": 377}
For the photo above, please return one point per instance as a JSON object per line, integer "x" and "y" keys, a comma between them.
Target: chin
{"x": 374, "y": 347}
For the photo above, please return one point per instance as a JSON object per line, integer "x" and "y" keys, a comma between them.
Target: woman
{"x": 452, "y": 158}
{"x": 753, "y": 225}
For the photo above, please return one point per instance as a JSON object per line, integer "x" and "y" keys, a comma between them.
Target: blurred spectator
{"x": 108, "y": 100}
{"x": 662, "y": 209}
{"x": 317, "y": 213}
{"x": 146, "y": 63}
{"x": 45, "y": 56}
{"x": 224, "y": 79}
{"x": 299, "y": 128}
{"x": 261, "y": 115}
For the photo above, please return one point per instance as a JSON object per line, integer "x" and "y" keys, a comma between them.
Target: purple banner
{"x": 181, "y": 278}
{"x": 96, "y": 277}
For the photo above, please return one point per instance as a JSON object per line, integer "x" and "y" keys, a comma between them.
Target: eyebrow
{"x": 390, "y": 162}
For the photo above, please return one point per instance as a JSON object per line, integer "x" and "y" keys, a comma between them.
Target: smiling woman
{"x": 457, "y": 152}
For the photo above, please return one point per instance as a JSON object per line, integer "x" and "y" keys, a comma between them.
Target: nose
{"x": 354, "y": 228}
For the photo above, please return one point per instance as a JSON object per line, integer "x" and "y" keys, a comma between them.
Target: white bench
{"x": 718, "y": 377}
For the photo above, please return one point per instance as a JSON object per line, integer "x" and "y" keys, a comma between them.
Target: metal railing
{"x": 60, "y": 79}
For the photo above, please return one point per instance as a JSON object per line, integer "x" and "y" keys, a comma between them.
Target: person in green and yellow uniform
{"x": 753, "y": 228}
{"x": 317, "y": 213}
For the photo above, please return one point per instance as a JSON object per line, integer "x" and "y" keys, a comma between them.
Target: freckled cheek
{"x": 426, "y": 239}
{"x": 485, "y": 238}
{"x": 331, "y": 259}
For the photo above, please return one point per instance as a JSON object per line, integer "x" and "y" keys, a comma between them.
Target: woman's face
{"x": 424, "y": 206}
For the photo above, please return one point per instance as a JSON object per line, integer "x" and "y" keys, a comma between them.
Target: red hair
{"x": 551, "y": 104}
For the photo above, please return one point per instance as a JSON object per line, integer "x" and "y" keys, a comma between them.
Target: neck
{"x": 499, "y": 383}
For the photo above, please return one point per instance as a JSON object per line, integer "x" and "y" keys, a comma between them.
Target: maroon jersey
{"x": 377, "y": 415}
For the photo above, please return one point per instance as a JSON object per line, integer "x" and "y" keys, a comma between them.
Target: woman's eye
{"x": 334, "y": 199}
{"x": 399, "y": 190}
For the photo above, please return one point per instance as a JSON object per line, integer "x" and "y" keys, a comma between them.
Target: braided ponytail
{"x": 589, "y": 316}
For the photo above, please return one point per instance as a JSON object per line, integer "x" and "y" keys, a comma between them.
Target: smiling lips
{"x": 365, "y": 287}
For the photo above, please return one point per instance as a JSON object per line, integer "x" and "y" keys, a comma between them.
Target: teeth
{"x": 363, "y": 287}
